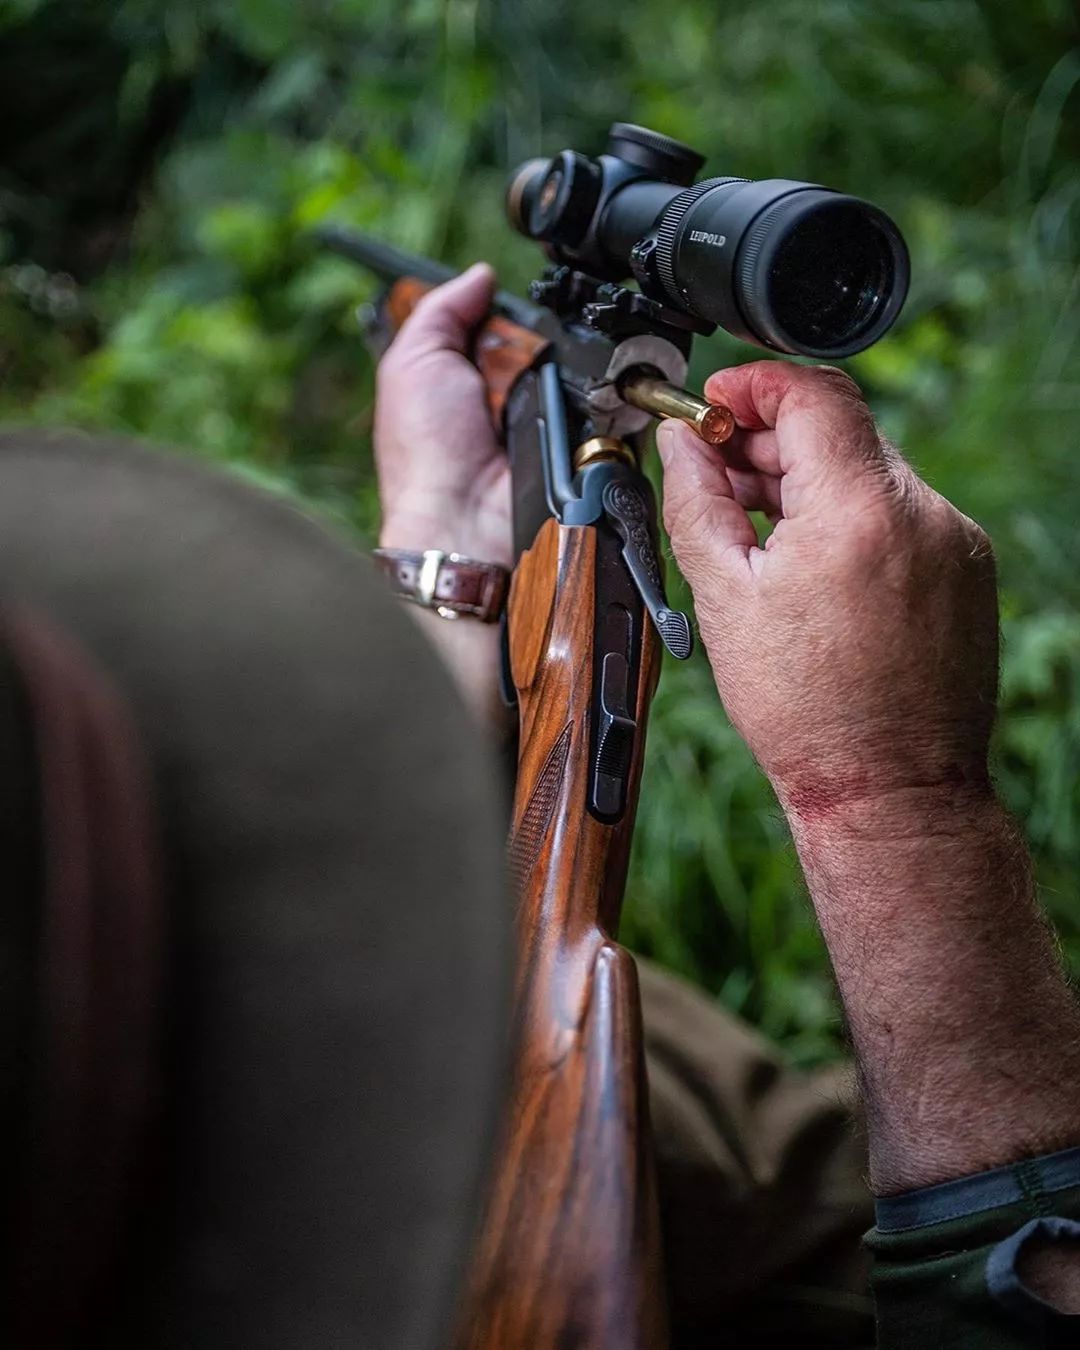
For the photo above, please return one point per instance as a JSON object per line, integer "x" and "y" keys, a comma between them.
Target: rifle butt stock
{"x": 569, "y": 1251}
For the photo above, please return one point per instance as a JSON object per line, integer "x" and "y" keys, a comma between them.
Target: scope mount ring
{"x": 612, "y": 416}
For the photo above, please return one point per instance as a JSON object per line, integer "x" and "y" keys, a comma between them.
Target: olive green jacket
{"x": 945, "y": 1258}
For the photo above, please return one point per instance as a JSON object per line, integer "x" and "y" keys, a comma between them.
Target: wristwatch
{"x": 449, "y": 583}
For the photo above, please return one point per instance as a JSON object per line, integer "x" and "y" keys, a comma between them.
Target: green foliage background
{"x": 160, "y": 166}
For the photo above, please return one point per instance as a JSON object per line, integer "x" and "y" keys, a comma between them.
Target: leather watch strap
{"x": 448, "y": 583}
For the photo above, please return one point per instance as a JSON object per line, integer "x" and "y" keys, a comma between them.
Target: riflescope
{"x": 792, "y": 266}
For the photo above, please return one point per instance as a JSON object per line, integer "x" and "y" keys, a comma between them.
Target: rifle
{"x": 569, "y": 1250}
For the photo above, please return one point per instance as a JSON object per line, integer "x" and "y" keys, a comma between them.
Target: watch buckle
{"x": 428, "y": 581}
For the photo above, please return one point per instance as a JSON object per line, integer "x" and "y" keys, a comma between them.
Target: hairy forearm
{"x": 966, "y": 1032}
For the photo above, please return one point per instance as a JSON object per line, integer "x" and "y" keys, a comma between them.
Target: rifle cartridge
{"x": 712, "y": 421}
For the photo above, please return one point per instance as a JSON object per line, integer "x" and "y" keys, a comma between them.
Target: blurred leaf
{"x": 245, "y": 234}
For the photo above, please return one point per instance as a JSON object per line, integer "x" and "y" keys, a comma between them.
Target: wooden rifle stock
{"x": 568, "y": 1256}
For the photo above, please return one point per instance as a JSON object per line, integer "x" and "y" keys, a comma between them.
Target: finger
{"x": 445, "y": 317}
{"x": 710, "y": 531}
{"x": 825, "y": 442}
{"x": 756, "y": 491}
{"x": 746, "y": 449}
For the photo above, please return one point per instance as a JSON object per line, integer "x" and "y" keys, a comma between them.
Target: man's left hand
{"x": 444, "y": 479}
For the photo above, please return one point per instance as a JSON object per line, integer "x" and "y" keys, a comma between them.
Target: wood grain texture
{"x": 569, "y": 1254}
{"x": 502, "y": 349}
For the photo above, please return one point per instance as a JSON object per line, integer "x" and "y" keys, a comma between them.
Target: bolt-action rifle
{"x": 569, "y": 1252}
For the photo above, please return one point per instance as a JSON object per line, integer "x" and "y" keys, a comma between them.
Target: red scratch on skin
{"x": 813, "y": 796}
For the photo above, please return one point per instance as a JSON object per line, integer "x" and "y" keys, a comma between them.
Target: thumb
{"x": 710, "y": 532}
{"x": 445, "y": 317}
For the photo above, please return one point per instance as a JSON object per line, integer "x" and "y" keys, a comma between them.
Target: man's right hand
{"x": 857, "y": 652}
{"x": 857, "y": 655}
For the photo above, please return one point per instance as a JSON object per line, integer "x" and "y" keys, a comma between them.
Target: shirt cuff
{"x": 1026, "y": 1181}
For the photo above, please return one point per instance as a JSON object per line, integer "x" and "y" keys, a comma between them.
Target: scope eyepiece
{"x": 788, "y": 265}
{"x": 565, "y": 199}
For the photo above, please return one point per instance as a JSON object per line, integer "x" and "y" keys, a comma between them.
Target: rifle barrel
{"x": 390, "y": 263}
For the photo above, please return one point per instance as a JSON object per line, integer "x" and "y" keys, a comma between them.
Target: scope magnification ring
{"x": 667, "y": 233}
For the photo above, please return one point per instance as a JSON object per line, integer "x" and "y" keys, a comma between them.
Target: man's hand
{"x": 857, "y": 652}
{"x": 444, "y": 480}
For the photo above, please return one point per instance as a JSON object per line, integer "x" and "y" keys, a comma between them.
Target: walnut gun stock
{"x": 570, "y": 1249}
